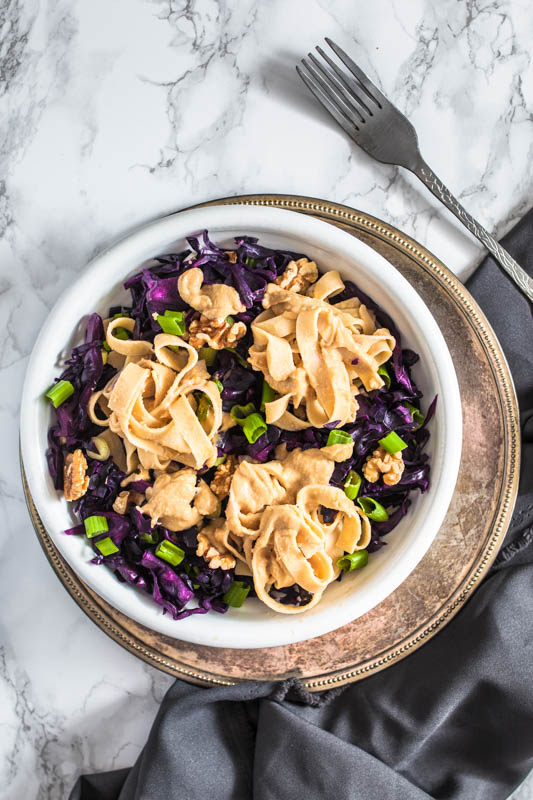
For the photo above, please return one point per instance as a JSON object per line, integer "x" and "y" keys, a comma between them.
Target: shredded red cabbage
{"x": 154, "y": 290}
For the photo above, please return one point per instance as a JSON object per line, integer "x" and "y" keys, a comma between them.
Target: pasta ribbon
{"x": 274, "y": 523}
{"x": 317, "y": 356}
{"x": 150, "y": 404}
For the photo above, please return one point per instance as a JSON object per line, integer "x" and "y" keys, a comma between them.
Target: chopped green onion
{"x": 338, "y": 437}
{"x": 102, "y": 452}
{"x": 107, "y": 546}
{"x": 239, "y": 413}
{"x": 220, "y": 460}
{"x": 95, "y": 525}
{"x": 202, "y": 410}
{"x": 249, "y": 261}
{"x": 373, "y": 509}
{"x": 267, "y": 395}
{"x": 352, "y": 561}
{"x": 239, "y": 358}
{"x": 59, "y": 392}
{"x": 230, "y": 320}
{"x": 254, "y": 427}
{"x": 208, "y": 354}
{"x": 150, "y": 538}
{"x": 172, "y": 322}
{"x": 121, "y": 333}
{"x": 392, "y": 443}
{"x": 106, "y": 347}
{"x": 352, "y": 485}
{"x": 416, "y": 416}
{"x": 120, "y": 314}
{"x": 236, "y": 594}
{"x": 104, "y": 356}
{"x": 383, "y": 371}
{"x": 218, "y": 384}
{"x": 169, "y": 552}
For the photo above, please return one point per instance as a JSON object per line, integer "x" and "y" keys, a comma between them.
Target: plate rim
{"x": 352, "y": 218}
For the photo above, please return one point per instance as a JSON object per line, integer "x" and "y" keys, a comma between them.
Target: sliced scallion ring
{"x": 95, "y": 525}
{"x": 254, "y": 426}
{"x": 338, "y": 437}
{"x": 102, "y": 449}
{"x": 239, "y": 413}
{"x": 59, "y": 392}
{"x": 236, "y": 594}
{"x": 172, "y": 322}
{"x": 373, "y": 509}
{"x": 352, "y": 485}
{"x": 351, "y": 561}
{"x": 392, "y": 443}
{"x": 169, "y": 552}
{"x": 106, "y": 546}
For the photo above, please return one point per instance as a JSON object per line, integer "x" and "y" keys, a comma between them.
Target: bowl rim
{"x": 233, "y": 633}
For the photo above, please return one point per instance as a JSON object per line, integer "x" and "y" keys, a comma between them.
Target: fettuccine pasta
{"x": 150, "y": 403}
{"x": 317, "y": 356}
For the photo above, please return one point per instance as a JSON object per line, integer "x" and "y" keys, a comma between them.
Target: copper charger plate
{"x": 464, "y": 548}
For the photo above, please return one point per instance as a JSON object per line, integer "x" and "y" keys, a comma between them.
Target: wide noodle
{"x": 318, "y": 357}
{"x": 150, "y": 404}
{"x": 274, "y": 524}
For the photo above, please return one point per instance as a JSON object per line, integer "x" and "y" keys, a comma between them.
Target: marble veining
{"x": 117, "y": 111}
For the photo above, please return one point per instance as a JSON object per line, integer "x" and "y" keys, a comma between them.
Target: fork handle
{"x": 513, "y": 269}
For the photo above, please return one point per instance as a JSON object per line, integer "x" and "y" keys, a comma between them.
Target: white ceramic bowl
{"x": 100, "y": 285}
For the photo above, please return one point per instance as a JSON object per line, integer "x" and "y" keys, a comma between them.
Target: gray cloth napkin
{"x": 453, "y": 720}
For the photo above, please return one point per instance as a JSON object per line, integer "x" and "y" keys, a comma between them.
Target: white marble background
{"x": 117, "y": 111}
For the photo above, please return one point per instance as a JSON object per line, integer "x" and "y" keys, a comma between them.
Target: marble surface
{"x": 117, "y": 111}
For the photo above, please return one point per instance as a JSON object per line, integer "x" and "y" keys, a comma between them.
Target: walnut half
{"x": 212, "y": 551}
{"x": 222, "y": 477}
{"x": 390, "y": 465}
{"x": 215, "y": 333}
{"x": 298, "y": 275}
{"x": 75, "y": 479}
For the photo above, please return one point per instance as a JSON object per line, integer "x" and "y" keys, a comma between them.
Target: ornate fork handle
{"x": 519, "y": 276}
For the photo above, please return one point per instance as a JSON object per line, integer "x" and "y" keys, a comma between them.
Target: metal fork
{"x": 379, "y": 128}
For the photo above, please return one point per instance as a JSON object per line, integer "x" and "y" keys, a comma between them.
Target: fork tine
{"x": 350, "y": 128}
{"x": 346, "y": 96}
{"x": 354, "y": 88}
{"x": 330, "y": 92}
{"x": 370, "y": 88}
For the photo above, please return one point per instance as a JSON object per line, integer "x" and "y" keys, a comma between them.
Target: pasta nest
{"x": 317, "y": 356}
{"x": 274, "y": 524}
{"x": 150, "y": 403}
